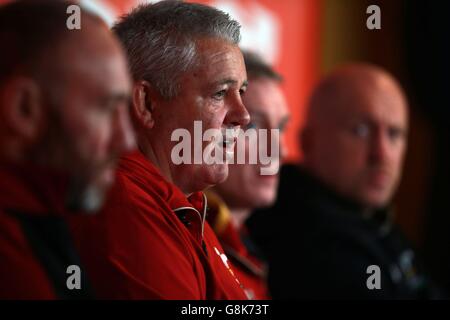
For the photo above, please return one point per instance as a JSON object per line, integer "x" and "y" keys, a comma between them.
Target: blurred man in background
{"x": 63, "y": 99}
{"x": 151, "y": 241}
{"x": 231, "y": 202}
{"x": 331, "y": 234}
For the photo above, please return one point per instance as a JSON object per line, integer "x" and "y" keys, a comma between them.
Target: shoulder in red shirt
{"x": 250, "y": 270}
{"x": 151, "y": 242}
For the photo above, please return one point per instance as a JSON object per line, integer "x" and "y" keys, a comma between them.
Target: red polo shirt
{"x": 250, "y": 270}
{"x": 151, "y": 242}
{"x": 35, "y": 244}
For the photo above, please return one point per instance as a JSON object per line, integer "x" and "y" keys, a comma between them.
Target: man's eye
{"x": 361, "y": 130}
{"x": 395, "y": 133}
{"x": 242, "y": 91}
{"x": 220, "y": 94}
{"x": 109, "y": 107}
{"x": 283, "y": 124}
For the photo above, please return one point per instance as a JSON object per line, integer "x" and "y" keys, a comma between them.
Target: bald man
{"x": 63, "y": 106}
{"x": 330, "y": 234}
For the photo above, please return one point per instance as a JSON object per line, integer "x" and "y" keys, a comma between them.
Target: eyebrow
{"x": 257, "y": 114}
{"x": 118, "y": 97}
{"x": 285, "y": 119}
{"x": 232, "y": 81}
{"x": 263, "y": 116}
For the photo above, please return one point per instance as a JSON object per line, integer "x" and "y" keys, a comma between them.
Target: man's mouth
{"x": 379, "y": 179}
{"x": 229, "y": 137}
{"x": 228, "y": 145}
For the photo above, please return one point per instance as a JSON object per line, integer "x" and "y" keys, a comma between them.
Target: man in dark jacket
{"x": 330, "y": 234}
{"x": 63, "y": 100}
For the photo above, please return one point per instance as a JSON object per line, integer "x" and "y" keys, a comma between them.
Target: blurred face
{"x": 211, "y": 93}
{"x": 358, "y": 150}
{"x": 245, "y": 186}
{"x": 91, "y": 126}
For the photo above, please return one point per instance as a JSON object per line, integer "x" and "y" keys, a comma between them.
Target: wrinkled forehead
{"x": 214, "y": 52}
{"x": 377, "y": 99}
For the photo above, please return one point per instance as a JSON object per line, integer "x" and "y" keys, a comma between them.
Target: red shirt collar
{"x": 136, "y": 162}
{"x": 32, "y": 189}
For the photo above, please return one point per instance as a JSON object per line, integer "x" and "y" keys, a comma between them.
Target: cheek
{"x": 248, "y": 173}
{"x": 95, "y": 135}
{"x": 212, "y": 118}
{"x": 342, "y": 160}
{"x": 350, "y": 152}
{"x": 235, "y": 175}
{"x": 241, "y": 179}
{"x": 399, "y": 155}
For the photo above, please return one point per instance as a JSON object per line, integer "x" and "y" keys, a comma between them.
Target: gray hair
{"x": 160, "y": 40}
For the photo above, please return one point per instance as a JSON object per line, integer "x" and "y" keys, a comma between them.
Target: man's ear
{"x": 22, "y": 106}
{"x": 145, "y": 99}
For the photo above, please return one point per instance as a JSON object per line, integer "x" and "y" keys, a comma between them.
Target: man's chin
{"x": 264, "y": 199}
{"x": 210, "y": 175}
{"x": 375, "y": 200}
{"x": 219, "y": 173}
{"x": 88, "y": 198}
{"x": 92, "y": 199}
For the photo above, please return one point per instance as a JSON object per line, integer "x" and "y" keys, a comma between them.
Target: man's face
{"x": 210, "y": 93}
{"x": 359, "y": 149}
{"x": 245, "y": 186}
{"x": 92, "y": 126}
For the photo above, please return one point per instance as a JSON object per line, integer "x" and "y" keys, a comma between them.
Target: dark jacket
{"x": 320, "y": 246}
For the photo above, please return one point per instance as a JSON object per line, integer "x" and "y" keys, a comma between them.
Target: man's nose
{"x": 238, "y": 114}
{"x": 123, "y": 135}
{"x": 379, "y": 149}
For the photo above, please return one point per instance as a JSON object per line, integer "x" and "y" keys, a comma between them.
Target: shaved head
{"x": 34, "y": 32}
{"x": 63, "y": 97}
{"x": 350, "y": 83}
{"x": 355, "y": 133}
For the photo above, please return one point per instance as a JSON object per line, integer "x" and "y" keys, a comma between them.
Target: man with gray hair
{"x": 151, "y": 241}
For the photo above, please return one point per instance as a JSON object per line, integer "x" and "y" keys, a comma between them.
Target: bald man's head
{"x": 355, "y": 134}
{"x": 63, "y": 96}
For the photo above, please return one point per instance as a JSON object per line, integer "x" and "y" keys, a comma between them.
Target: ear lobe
{"x": 23, "y": 108}
{"x": 144, "y": 102}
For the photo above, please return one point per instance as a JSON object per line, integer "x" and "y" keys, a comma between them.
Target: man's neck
{"x": 146, "y": 148}
{"x": 161, "y": 163}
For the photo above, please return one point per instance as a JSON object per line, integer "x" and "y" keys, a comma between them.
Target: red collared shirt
{"x": 35, "y": 244}
{"x": 151, "y": 242}
{"x": 249, "y": 269}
